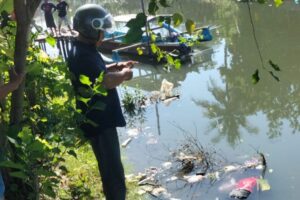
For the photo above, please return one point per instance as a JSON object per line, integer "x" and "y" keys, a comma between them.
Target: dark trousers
{"x": 107, "y": 151}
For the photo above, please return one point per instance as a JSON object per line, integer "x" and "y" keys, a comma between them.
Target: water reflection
{"x": 149, "y": 77}
{"x": 238, "y": 98}
{"x": 227, "y": 114}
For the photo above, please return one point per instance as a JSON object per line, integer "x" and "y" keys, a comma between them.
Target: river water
{"x": 218, "y": 101}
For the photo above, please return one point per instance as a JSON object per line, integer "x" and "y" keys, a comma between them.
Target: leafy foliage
{"x": 135, "y": 32}
{"x": 177, "y": 19}
{"x": 276, "y": 2}
{"x": 133, "y": 102}
{"x": 34, "y": 152}
{"x": 190, "y": 26}
{"x": 153, "y": 7}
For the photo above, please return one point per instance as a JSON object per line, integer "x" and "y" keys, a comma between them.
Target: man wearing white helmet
{"x": 91, "y": 21}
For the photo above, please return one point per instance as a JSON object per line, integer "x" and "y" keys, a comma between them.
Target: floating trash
{"x": 243, "y": 188}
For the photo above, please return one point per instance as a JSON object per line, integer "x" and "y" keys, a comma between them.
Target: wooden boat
{"x": 167, "y": 38}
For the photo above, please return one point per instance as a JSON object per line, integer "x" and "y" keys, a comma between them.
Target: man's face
{"x": 101, "y": 37}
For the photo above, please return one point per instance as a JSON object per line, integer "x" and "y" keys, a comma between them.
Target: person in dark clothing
{"x": 91, "y": 21}
{"x": 62, "y": 8}
{"x": 49, "y": 9}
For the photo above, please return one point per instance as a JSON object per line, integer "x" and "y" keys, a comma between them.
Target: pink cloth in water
{"x": 247, "y": 183}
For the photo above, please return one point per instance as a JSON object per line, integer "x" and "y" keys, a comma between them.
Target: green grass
{"x": 83, "y": 181}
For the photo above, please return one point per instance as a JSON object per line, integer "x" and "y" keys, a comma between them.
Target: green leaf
{"x": 153, "y": 38}
{"x": 153, "y": 48}
{"x": 18, "y": 174}
{"x": 99, "y": 105}
{"x": 26, "y": 135}
{"x": 51, "y": 41}
{"x": 182, "y": 39}
{"x": 141, "y": 20}
{"x": 170, "y": 59}
{"x": 10, "y": 164}
{"x": 133, "y": 35}
{"x": 177, "y": 64}
{"x": 12, "y": 140}
{"x": 153, "y": 7}
{"x": 164, "y": 3}
{"x": 177, "y": 19}
{"x": 44, "y": 142}
{"x": 94, "y": 124}
{"x": 99, "y": 89}
{"x": 36, "y": 146}
{"x": 274, "y": 76}
{"x": 85, "y": 92}
{"x": 255, "y": 77}
{"x": 72, "y": 153}
{"x": 82, "y": 99}
{"x": 100, "y": 77}
{"x": 190, "y": 26}
{"x": 44, "y": 119}
{"x": 43, "y": 172}
{"x": 85, "y": 80}
{"x": 264, "y": 184}
{"x": 274, "y": 66}
{"x": 48, "y": 190}
{"x": 139, "y": 51}
{"x": 138, "y": 22}
{"x": 278, "y": 2}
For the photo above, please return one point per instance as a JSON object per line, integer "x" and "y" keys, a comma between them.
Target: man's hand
{"x": 127, "y": 73}
{"x": 126, "y": 64}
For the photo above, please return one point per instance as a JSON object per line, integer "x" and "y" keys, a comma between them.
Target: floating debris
{"x": 134, "y": 132}
{"x": 166, "y": 94}
{"x": 243, "y": 188}
{"x": 166, "y": 89}
{"x": 194, "y": 178}
{"x": 126, "y": 142}
{"x": 264, "y": 184}
{"x": 167, "y": 165}
{"x": 231, "y": 168}
{"x": 192, "y": 164}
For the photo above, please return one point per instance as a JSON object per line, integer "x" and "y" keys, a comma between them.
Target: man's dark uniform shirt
{"x": 84, "y": 59}
{"x": 62, "y": 8}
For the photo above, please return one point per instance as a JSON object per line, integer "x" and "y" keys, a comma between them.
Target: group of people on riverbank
{"x": 49, "y": 9}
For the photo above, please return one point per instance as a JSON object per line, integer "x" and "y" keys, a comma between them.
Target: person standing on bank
{"x": 91, "y": 21}
{"x": 49, "y": 9}
{"x": 62, "y": 8}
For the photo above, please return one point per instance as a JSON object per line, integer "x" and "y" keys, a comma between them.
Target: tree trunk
{"x": 24, "y": 11}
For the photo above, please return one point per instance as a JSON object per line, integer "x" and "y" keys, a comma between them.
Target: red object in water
{"x": 247, "y": 184}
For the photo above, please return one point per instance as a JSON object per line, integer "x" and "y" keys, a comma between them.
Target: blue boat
{"x": 168, "y": 39}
